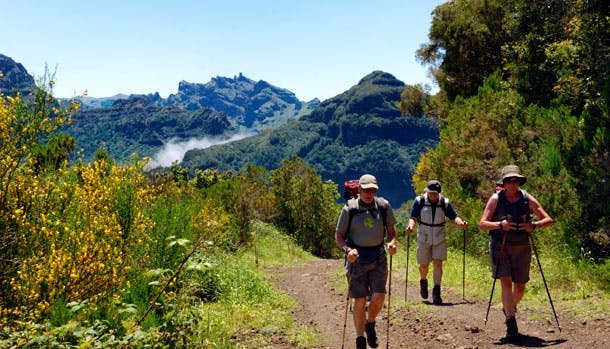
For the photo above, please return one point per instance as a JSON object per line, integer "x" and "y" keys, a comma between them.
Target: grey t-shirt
{"x": 367, "y": 228}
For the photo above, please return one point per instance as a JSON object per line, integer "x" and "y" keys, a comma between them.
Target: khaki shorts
{"x": 368, "y": 278}
{"x": 427, "y": 252}
{"x": 515, "y": 261}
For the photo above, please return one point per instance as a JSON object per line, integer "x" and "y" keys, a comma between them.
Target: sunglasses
{"x": 512, "y": 181}
{"x": 369, "y": 190}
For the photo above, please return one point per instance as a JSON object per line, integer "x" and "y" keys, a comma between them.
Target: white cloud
{"x": 174, "y": 151}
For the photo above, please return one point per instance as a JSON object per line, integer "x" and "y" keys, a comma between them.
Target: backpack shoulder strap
{"x": 501, "y": 195}
{"x": 525, "y": 198}
{"x": 352, "y": 208}
{"x": 443, "y": 201}
{"x": 421, "y": 200}
{"x": 383, "y": 205}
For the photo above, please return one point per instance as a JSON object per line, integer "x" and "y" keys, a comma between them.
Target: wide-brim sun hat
{"x": 368, "y": 181}
{"x": 512, "y": 171}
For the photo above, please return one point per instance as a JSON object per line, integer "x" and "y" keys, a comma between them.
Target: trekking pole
{"x": 495, "y": 275}
{"x": 464, "y": 265}
{"x": 543, "y": 279}
{"x": 407, "y": 271}
{"x": 349, "y": 286}
{"x": 389, "y": 297}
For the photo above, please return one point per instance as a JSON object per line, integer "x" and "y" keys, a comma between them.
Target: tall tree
{"x": 546, "y": 107}
{"x": 534, "y": 26}
{"x": 305, "y": 205}
{"x": 466, "y": 44}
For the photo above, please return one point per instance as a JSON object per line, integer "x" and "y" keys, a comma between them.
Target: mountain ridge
{"x": 358, "y": 131}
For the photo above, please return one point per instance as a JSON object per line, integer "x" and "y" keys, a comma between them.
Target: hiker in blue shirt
{"x": 363, "y": 225}
{"x": 430, "y": 210}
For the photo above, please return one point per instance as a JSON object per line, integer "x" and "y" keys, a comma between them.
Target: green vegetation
{"x": 97, "y": 254}
{"x": 302, "y": 201}
{"x": 523, "y": 82}
{"x": 101, "y": 254}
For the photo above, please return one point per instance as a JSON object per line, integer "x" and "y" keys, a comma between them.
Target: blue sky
{"x": 312, "y": 48}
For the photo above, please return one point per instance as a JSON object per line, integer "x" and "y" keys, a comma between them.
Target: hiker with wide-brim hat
{"x": 430, "y": 210}
{"x": 365, "y": 230}
{"x": 507, "y": 217}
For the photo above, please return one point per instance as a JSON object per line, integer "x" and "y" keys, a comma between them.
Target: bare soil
{"x": 416, "y": 323}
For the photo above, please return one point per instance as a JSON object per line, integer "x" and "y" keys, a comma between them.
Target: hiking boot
{"x": 436, "y": 295}
{"x": 360, "y": 343}
{"x": 423, "y": 288}
{"x": 512, "y": 332}
{"x": 371, "y": 335}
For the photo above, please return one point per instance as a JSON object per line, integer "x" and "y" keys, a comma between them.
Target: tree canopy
{"x": 525, "y": 82}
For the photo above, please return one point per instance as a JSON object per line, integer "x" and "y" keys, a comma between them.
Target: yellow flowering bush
{"x": 68, "y": 234}
{"x": 24, "y": 121}
{"x": 81, "y": 244}
{"x": 422, "y": 174}
{"x": 212, "y": 224}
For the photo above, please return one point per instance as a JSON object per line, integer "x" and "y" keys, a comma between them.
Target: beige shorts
{"x": 427, "y": 252}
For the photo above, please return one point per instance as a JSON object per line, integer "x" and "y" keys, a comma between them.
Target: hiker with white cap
{"x": 430, "y": 210}
{"x": 363, "y": 225}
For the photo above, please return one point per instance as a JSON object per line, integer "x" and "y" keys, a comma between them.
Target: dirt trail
{"x": 419, "y": 324}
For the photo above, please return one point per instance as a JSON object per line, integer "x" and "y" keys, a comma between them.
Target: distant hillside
{"x": 14, "y": 78}
{"x": 217, "y": 110}
{"x": 356, "y": 132}
{"x": 137, "y": 125}
{"x": 238, "y": 105}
